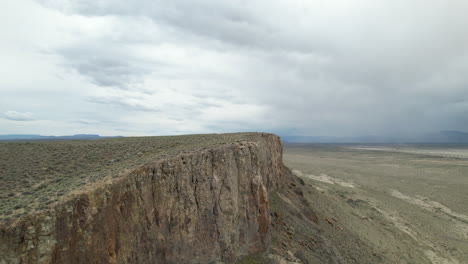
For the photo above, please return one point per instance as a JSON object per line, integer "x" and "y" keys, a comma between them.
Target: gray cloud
{"x": 301, "y": 67}
{"x": 105, "y": 71}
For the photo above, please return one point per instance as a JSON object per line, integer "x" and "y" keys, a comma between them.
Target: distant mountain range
{"x": 21, "y": 137}
{"x": 441, "y": 137}
{"x": 456, "y": 137}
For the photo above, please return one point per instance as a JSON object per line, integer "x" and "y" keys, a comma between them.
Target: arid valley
{"x": 388, "y": 204}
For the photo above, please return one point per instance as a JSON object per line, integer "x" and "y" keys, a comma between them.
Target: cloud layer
{"x": 17, "y": 116}
{"x": 335, "y": 68}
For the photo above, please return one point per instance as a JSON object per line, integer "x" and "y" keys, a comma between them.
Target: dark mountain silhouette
{"x": 452, "y": 137}
{"x": 27, "y": 137}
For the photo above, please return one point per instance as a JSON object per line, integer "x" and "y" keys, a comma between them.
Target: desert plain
{"x": 388, "y": 203}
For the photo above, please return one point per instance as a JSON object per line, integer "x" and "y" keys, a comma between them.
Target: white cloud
{"x": 18, "y": 116}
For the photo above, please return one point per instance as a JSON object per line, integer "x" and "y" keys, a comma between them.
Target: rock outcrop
{"x": 205, "y": 206}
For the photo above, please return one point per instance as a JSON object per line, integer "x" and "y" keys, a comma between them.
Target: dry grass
{"x": 35, "y": 175}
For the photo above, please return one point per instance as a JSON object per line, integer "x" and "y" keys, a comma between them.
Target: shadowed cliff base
{"x": 303, "y": 233}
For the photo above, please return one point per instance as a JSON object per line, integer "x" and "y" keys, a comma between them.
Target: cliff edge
{"x": 204, "y": 203}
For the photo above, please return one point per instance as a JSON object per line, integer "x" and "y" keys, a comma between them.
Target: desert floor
{"x": 401, "y": 203}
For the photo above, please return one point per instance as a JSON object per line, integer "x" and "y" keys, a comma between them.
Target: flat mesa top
{"x": 34, "y": 175}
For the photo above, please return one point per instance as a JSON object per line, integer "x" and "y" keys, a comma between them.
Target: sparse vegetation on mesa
{"x": 35, "y": 175}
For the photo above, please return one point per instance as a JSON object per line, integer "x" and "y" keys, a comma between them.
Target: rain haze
{"x": 296, "y": 68}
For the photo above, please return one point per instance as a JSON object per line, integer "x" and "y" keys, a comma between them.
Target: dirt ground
{"x": 373, "y": 204}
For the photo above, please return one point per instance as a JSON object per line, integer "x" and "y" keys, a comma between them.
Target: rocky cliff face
{"x": 205, "y": 206}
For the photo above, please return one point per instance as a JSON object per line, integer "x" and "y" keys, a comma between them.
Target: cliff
{"x": 200, "y": 205}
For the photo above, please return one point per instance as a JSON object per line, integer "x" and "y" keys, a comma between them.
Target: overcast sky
{"x": 293, "y": 67}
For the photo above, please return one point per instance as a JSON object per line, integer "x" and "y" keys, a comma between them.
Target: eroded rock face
{"x": 200, "y": 207}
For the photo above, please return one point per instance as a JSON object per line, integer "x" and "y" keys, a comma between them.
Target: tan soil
{"x": 382, "y": 204}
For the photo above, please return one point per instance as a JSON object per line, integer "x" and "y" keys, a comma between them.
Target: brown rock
{"x": 206, "y": 206}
